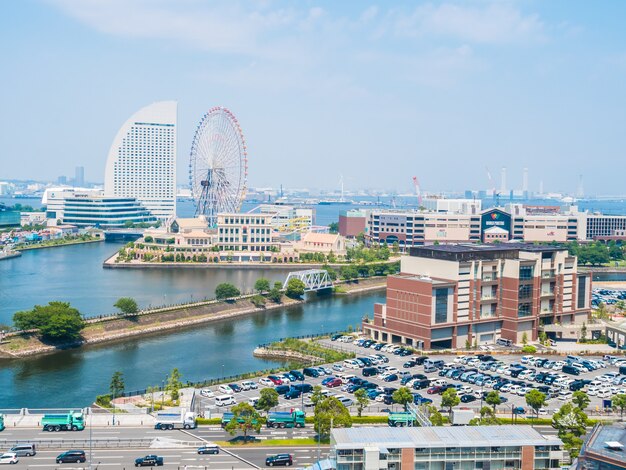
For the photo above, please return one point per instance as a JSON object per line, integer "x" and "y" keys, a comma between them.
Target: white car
{"x": 543, "y": 411}
{"x": 458, "y": 359}
{"x": 391, "y": 370}
{"x": 265, "y": 382}
{"x": 558, "y": 365}
{"x": 465, "y": 389}
{"x": 565, "y": 395}
{"x": 249, "y": 385}
{"x": 337, "y": 367}
{"x": 207, "y": 393}
{"x": 225, "y": 389}
{"x": 604, "y": 393}
{"x": 8, "y": 458}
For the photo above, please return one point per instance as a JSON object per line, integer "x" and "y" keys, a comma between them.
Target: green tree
{"x": 488, "y": 416}
{"x": 117, "y": 384}
{"x": 268, "y": 399}
{"x": 583, "y": 333}
{"x": 258, "y": 300}
{"x": 571, "y": 423}
{"x": 127, "y": 305}
{"x": 493, "y": 399}
{"x": 174, "y": 383}
{"x": 403, "y": 396}
{"x": 535, "y": 399}
{"x": 262, "y": 285}
{"x": 295, "y": 288}
{"x": 333, "y": 227}
{"x": 245, "y": 419}
{"x": 226, "y": 290}
{"x": 525, "y": 339}
{"x": 362, "y": 400}
{"x": 330, "y": 412}
{"x": 57, "y": 321}
{"x": 434, "y": 416}
{"x": 581, "y": 399}
{"x": 275, "y": 294}
{"x": 450, "y": 399}
{"x": 619, "y": 401}
{"x": 316, "y": 395}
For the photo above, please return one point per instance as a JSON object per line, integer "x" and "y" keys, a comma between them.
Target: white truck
{"x": 462, "y": 416}
{"x": 175, "y": 419}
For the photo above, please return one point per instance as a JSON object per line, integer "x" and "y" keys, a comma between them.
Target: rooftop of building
{"x": 607, "y": 441}
{"x": 440, "y": 436}
{"x": 469, "y": 252}
{"x": 313, "y": 237}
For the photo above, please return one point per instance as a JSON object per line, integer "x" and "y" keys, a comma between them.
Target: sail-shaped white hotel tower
{"x": 142, "y": 159}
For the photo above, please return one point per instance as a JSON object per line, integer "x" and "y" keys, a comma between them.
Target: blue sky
{"x": 376, "y": 91}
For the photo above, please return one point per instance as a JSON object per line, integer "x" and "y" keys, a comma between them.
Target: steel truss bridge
{"x": 313, "y": 279}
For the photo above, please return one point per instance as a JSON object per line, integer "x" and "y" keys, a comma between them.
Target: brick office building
{"x": 447, "y": 296}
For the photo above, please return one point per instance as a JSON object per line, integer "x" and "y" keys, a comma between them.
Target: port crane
{"x": 496, "y": 194}
{"x": 418, "y": 191}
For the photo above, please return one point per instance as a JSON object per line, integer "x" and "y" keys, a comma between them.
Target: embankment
{"x": 160, "y": 321}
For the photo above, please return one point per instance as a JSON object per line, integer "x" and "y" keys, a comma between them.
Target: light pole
{"x": 223, "y": 371}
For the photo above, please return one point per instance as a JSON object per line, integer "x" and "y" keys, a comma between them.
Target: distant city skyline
{"x": 373, "y": 92}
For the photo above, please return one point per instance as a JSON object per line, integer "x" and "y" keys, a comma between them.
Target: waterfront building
{"x": 449, "y": 296}
{"x": 8, "y": 218}
{"x": 289, "y": 221}
{"x": 514, "y": 222}
{"x": 142, "y": 160}
{"x": 452, "y": 206}
{"x": 351, "y": 223}
{"x": 32, "y": 218}
{"x": 604, "y": 449}
{"x": 443, "y": 448}
{"x": 89, "y": 208}
{"x": 246, "y": 233}
{"x": 322, "y": 243}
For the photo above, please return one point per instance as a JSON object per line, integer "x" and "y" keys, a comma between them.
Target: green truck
{"x": 227, "y": 418}
{"x": 400, "y": 419}
{"x": 72, "y": 421}
{"x": 286, "y": 419}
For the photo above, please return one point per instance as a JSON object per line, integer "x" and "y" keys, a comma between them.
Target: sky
{"x": 375, "y": 91}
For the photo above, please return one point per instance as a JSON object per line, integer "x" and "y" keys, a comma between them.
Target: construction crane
{"x": 418, "y": 191}
{"x": 496, "y": 195}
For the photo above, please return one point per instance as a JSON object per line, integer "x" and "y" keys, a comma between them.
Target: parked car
{"x": 266, "y": 382}
{"x": 249, "y": 385}
{"x": 225, "y": 389}
{"x": 467, "y": 398}
{"x": 235, "y": 388}
{"x": 207, "y": 393}
{"x": 275, "y": 379}
{"x": 208, "y": 449}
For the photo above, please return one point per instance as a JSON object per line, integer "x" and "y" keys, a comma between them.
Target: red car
{"x": 433, "y": 390}
{"x": 336, "y": 382}
{"x": 275, "y": 379}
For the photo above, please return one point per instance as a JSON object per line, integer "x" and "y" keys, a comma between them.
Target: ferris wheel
{"x": 218, "y": 167}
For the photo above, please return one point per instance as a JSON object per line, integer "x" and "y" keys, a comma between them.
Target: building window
{"x": 441, "y": 305}
{"x": 582, "y": 290}
{"x": 526, "y": 273}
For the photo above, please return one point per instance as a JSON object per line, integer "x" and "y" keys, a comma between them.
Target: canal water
{"x": 75, "y": 377}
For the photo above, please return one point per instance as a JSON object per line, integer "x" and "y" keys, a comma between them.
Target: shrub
{"x": 529, "y": 349}
{"x": 226, "y": 290}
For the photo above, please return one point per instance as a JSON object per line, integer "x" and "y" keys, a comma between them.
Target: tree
{"x": 275, "y": 294}
{"x": 316, "y": 395}
{"x": 434, "y": 416}
{"x": 258, "y": 300}
{"x": 450, "y": 399}
{"x": 148, "y": 239}
{"x": 362, "y": 400}
{"x": 295, "y": 288}
{"x": 262, "y": 285}
{"x": 333, "y": 227}
{"x": 535, "y": 399}
{"x": 127, "y": 305}
{"x": 245, "y": 419}
{"x": 403, "y": 396}
{"x": 581, "y": 399}
{"x": 619, "y": 401}
{"x": 570, "y": 422}
{"x": 268, "y": 399}
{"x": 525, "y": 339}
{"x": 330, "y": 412}
{"x": 117, "y": 384}
{"x": 493, "y": 399}
{"x": 57, "y": 321}
{"x": 173, "y": 383}
{"x": 488, "y": 416}
{"x": 583, "y": 333}
{"x": 226, "y": 290}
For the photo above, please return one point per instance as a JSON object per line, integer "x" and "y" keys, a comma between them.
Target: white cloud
{"x": 490, "y": 23}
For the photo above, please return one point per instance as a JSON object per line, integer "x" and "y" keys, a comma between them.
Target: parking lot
{"x": 513, "y": 376}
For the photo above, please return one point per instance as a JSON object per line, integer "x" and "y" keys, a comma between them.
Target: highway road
{"x": 111, "y": 447}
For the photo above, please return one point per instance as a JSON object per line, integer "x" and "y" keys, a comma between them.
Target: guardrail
{"x": 82, "y": 443}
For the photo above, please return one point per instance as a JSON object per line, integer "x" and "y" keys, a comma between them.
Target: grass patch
{"x": 208, "y": 421}
{"x": 310, "y": 348}
{"x": 308, "y": 441}
{"x": 369, "y": 420}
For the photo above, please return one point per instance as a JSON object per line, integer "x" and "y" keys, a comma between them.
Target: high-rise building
{"x": 79, "y": 176}
{"x": 142, "y": 159}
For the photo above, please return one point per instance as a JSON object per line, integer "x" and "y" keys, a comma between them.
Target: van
{"x": 504, "y": 342}
{"x": 430, "y": 368}
{"x": 350, "y": 364}
{"x": 311, "y": 372}
{"x": 225, "y": 400}
{"x": 23, "y": 450}
{"x": 369, "y": 371}
{"x": 571, "y": 370}
{"x": 437, "y": 363}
